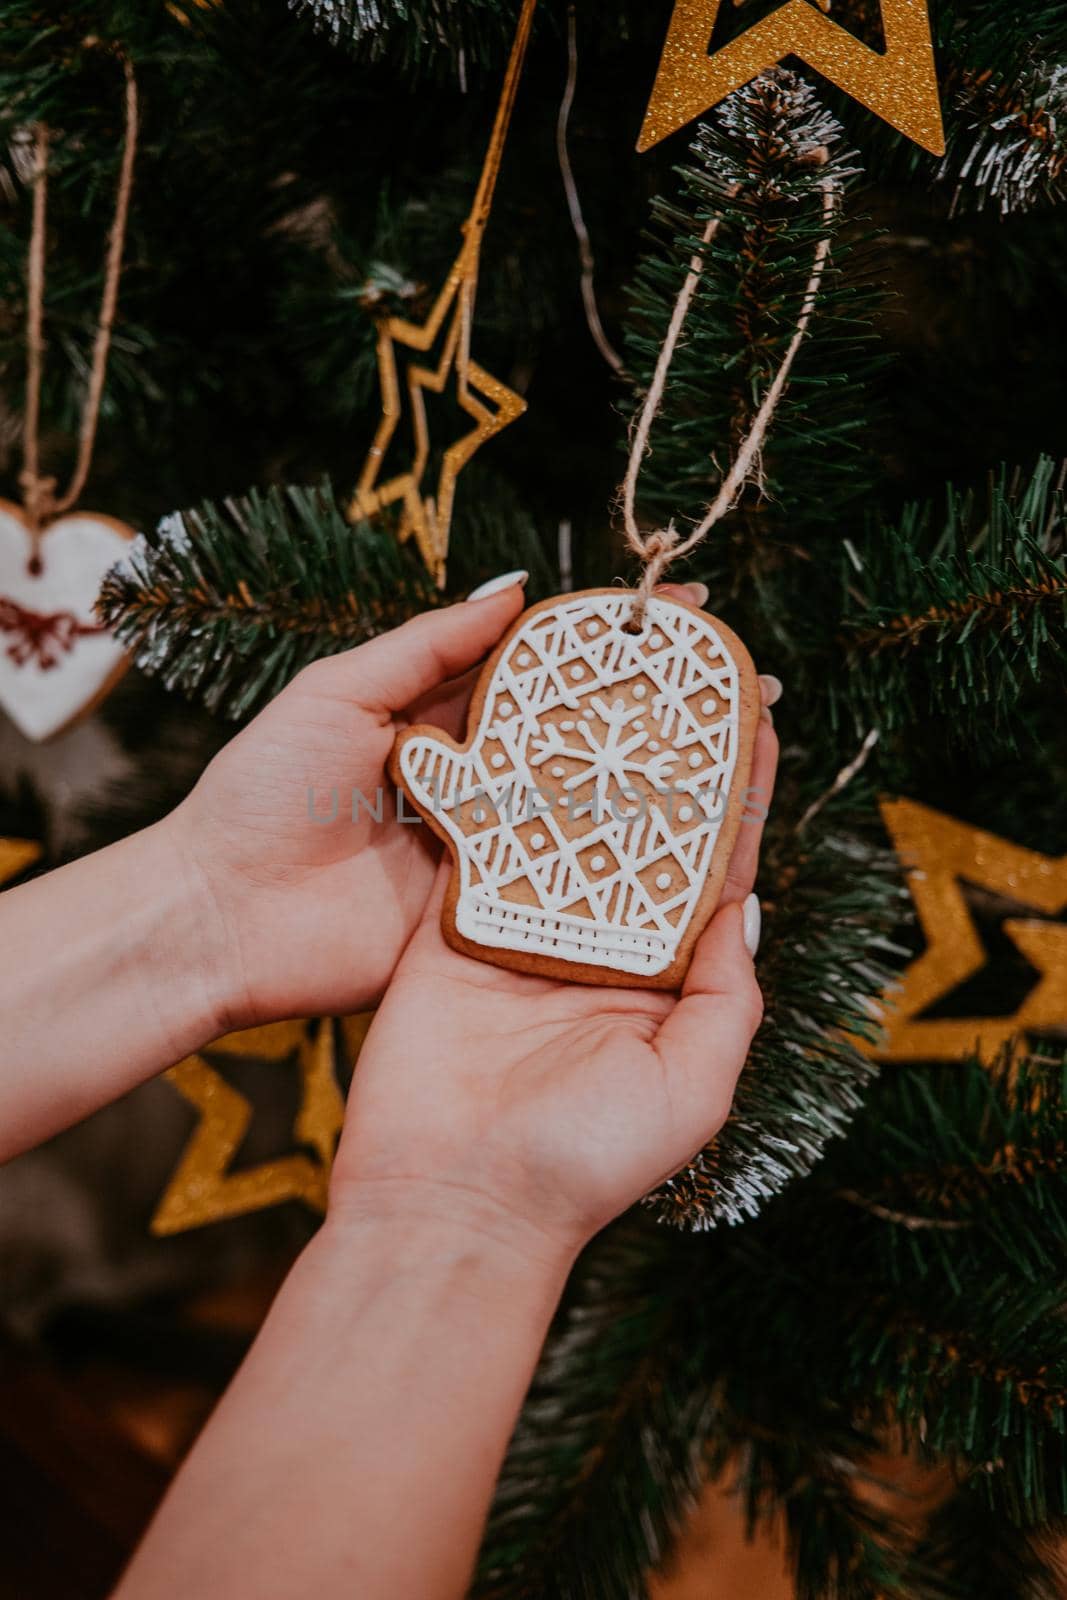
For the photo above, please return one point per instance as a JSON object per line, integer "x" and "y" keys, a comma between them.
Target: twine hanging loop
{"x": 656, "y": 551}
{"x": 39, "y": 498}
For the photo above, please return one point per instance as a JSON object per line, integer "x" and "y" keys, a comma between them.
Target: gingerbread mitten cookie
{"x": 592, "y": 811}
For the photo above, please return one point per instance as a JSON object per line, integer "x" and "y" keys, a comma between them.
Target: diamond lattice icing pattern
{"x": 586, "y": 810}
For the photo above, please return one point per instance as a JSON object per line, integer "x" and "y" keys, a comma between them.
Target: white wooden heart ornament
{"x": 57, "y": 660}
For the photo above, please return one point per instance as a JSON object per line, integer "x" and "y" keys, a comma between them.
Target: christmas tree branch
{"x": 618, "y": 1407}
{"x": 230, "y": 601}
{"x": 958, "y": 614}
{"x": 1005, "y": 92}
{"x": 227, "y": 602}
{"x": 735, "y": 300}
{"x": 414, "y": 31}
{"x": 983, "y": 1555}
{"x": 831, "y": 902}
{"x": 1006, "y": 144}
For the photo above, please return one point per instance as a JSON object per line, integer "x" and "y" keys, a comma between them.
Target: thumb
{"x": 432, "y": 770}
{"x": 705, "y": 1040}
{"x": 389, "y": 672}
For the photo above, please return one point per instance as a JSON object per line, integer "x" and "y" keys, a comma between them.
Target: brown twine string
{"x": 41, "y": 504}
{"x": 34, "y": 487}
{"x": 586, "y": 259}
{"x": 658, "y": 549}
{"x": 843, "y": 779}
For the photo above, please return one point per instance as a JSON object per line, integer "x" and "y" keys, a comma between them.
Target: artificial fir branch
{"x": 418, "y": 29}
{"x": 939, "y": 1354}
{"x": 958, "y": 1333}
{"x": 672, "y": 1351}
{"x": 228, "y": 601}
{"x": 759, "y": 172}
{"x": 620, "y": 1408}
{"x": 949, "y": 1193}
{"x": 989, "y": 1158}
{"x": 1002, "y": 92}
{"x": 959, "y": 613}
{"x": 1004, "y": 88}
{"x": 809, "y": 1473}
{"x": 955, "y": 1336}
{"x": 1006, "y": 146}
{"x": 231, "y": 601}
{"x": 831, "y": 903}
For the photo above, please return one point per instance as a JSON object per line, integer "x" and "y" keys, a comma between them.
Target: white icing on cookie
{"x": 626, "y": 903}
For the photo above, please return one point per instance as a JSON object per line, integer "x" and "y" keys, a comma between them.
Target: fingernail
{"x": 695, "y": 593}
{"x": 506, "y": 580}
{"x": 770, "y": 688}
{"x": 753, "y": 923}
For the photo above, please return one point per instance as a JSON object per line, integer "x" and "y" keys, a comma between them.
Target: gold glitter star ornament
{"x": 940, "y": 855}
{"x": 899, "y": 85}
{"x": 207, "y": 1185}
{"x": 16, "y": 855}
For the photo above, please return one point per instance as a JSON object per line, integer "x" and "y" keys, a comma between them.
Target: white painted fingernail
{"x": 695, "y": 593}
{"x": 753, "y": 923}
{"x": 770, "y": 688}
{"x": 496, "y": 585}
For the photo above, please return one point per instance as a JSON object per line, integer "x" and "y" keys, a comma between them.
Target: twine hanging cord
{"x": 657, "y": 550}
{"x": 41, "y": 503}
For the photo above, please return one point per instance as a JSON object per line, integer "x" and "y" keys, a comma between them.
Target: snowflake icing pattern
{"x": 586, "y": 809}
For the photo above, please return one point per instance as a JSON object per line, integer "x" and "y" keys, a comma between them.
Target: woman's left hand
{"x": 311, "y": 880}
{"x": 527, "y": 1106}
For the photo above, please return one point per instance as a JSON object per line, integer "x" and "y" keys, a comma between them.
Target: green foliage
{"x": 606, "y": 1453}
{"x": 959, "y": 613}
{"x": 1002, "y": 94}
{"x": 907, "y": 1278}
{"x": 227, "y": 602}
{"x": 772, "y": 167}
{"x": 233, "y": 600}
{"x": 953, "y": 1260}
{"x": 261, "y": 227}
{"x": 909, "y": 1284}
{"x": 990, "y": 1556}
{"x": 1006, "y": 147}
{"x": 1004, "y": 91}
{"x": 831, "y": 899}
{"x": 417, "y": 28}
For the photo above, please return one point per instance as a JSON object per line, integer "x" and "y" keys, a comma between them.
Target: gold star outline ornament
{"x": 204, "y": 1187}
{"x": 488, "y": 401}
{"x": 429, "y": 516}
{"x": 939, "y": 854}
{"x": 899, "y": 85}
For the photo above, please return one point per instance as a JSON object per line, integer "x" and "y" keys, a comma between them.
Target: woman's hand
{"x": 495, "y": 1122}
{"x": 528, "y": 1107}
{"x": 311, "y": 899}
